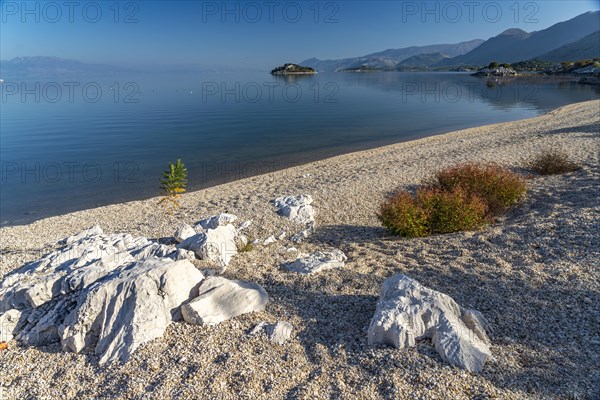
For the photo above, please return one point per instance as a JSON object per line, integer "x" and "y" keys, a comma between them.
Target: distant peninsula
{"x": 292, "y": 69}
{"x": 362, "y": 68}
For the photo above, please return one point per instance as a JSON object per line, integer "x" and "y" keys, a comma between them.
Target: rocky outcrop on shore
{"x": 111, "y": 293}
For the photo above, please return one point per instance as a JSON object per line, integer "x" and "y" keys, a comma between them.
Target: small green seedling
{"x": 173, "y": 183}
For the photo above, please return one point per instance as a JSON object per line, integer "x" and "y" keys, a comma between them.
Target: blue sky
{"x": 257, "y": 34}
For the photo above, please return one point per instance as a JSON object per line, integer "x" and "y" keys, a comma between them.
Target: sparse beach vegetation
{"x": 462, "y": 197}
{"x": 553, "y": 161}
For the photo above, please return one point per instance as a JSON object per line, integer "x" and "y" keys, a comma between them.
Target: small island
{"x": 292, "y": 69}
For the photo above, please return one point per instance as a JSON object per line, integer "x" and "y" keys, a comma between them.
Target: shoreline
{"x": 532, "y": 274}
{"x": 419, "y": 140}
{"x": 274, "y": 166}
{"x": 278, "y": 166}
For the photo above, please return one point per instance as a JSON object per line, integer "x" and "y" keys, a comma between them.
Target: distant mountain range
{"x": 583, "y": 49}
{"x": 45, "y": 67}
{"x": 574, "y": 37}
{"x": 388, "y": 59}
{"x": 517, "y": 45}
{"x": 423, "y": 60}
{"x": 53, "y": 66}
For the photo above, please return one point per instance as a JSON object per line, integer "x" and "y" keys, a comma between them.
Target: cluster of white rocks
{"x": 406, "y": 311}
{"x": 108, "y": 293}
{"x": 298, "y": 209}
{"x": 111, "y": 293}
{"x": 215, "y": 239}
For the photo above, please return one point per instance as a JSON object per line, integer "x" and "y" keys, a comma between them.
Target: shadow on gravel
{"x": 594, "y": 129}
{"x": 541, "y": 328}
{"x": 332, "y": 322}
{"x": 338, "y": 235}
{"x": 532, "y": 276}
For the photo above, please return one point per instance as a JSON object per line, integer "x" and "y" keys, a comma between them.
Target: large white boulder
{"x": 87, "y": 257}
{"x": 296, "y": 208}
{"x": 135, "y": 305}
{"x": 220, "y": 299}
{"x": 407, "y": 312}
{"x": 317, "y": 262}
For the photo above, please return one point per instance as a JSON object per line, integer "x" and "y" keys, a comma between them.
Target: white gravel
{"x": 534, "y": 275}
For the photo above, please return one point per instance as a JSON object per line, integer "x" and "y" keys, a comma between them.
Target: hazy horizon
{"x": 257, "y": 35}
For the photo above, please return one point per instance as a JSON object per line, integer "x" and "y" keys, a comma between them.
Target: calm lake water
{"x": 71, "y": 144}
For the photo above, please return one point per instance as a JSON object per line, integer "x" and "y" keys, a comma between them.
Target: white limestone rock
{"x": 9, "y": 324}
{"x": 183, "y": 232}
{"x": 86, "y": 257}
{"x": 269, "y": 240}
{"x": 220, "y": 299}
{"x": 317, "y": 262}
{"x": 131, "y": 307}
{"x": 152, "y": 250}
{"x": 407, "y": 312}
{"x": 296, "y": 208}
{"x": 278, "y": 332}
{"x": 93, "y": 231}
{"x": 244, "y": 225}
{"x": 260, "y": 327}
{"x": 219, "y": 244}
{"x": 183, "y": 254}
{"x": 242, "y": 239}
{"x": 215, "y": 221}
{"x": 304, "y": 234}
{"x": 217, "y": 239}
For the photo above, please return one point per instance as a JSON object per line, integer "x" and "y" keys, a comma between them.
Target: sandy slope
{"x": 534, "y": 275}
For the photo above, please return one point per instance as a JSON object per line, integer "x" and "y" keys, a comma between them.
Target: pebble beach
{"x": 534, "y": 274}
